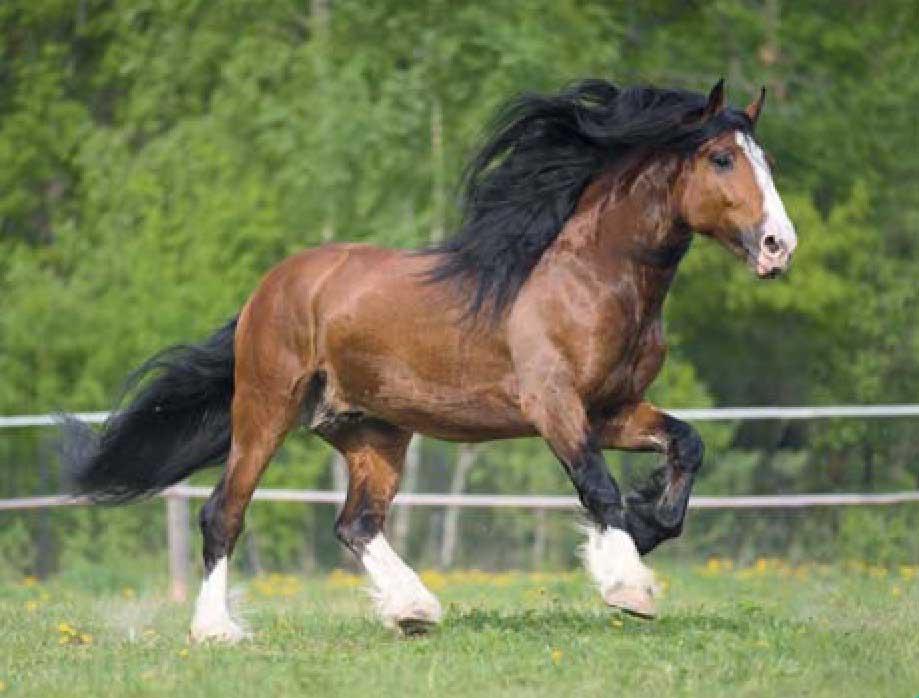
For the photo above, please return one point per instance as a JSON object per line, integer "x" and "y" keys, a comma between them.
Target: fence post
{"x": 177, "y": 538}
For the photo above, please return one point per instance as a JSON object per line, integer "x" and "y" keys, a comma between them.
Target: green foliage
{"x": 159, "y": 156}
{"x": 886, "y": 538}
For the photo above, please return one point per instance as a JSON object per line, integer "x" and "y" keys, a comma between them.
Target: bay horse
{"x": 542, "y": 316}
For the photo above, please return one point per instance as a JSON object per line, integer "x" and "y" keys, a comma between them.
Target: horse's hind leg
{"x": 261, "y": 419}
{"x": 375, "y": 454}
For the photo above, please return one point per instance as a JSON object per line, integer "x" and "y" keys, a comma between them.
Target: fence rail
{"x": 499, "y": 501}
{"x": 714, "y": 414}
{"x": 177, "y": 497}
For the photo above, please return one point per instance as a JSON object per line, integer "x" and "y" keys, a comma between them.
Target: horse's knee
{"x": 687, "y": 449}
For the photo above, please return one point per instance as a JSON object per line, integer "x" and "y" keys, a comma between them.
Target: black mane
{"x": 543, "y": 151}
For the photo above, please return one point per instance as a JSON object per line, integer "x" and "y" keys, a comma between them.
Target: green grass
{"x": 771, "y": 632}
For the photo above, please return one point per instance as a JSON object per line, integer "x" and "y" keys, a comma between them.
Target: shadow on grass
{"x": 738, "y": 619}
{"x": 600, "y": 620}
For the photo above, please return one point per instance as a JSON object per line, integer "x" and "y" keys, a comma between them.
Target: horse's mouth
{"x": 745, "y": 252}
{"x": 763, "y": 266}
{"x": 769, "y": 266}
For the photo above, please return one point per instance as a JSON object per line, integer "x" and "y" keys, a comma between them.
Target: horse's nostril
{"x": 771, "y": 245}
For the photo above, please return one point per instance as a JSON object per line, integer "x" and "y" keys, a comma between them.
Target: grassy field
{"x": 766, "y": 630}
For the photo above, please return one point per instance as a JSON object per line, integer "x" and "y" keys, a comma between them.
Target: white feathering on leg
{"x": 396, "y": 590}
{"x": 212, "y": 616}
{"x": 613, "y": 562}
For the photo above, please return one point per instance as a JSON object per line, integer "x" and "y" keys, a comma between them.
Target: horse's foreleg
{"x": 375, "y": 456}
{"x": 655, "y": 510}
{"x": 258, "y": 429}
{"x": 610, "y": 553}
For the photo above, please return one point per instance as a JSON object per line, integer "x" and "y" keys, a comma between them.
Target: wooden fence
{"x": 178, "y": 510}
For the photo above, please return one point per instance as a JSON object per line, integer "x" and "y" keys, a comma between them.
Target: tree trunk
{"x": 438, "y": 188}
{"x": 402, "y": 515}
{"x": 321, "y": 15}
{"x": 253, "y": 553}
{"x": 44, "y": 542}
{"x": 466, "y": 455}
{"x": 540, "y": 534}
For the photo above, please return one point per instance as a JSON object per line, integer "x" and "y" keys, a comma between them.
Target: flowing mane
{"x": 542, "y": 151}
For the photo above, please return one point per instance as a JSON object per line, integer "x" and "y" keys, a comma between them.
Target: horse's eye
{"x": 722, "y": 161}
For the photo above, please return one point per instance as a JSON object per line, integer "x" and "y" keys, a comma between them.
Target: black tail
{"x": 176, "y": 424}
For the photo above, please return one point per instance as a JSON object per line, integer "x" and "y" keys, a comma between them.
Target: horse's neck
{"x": 626, "y": 228}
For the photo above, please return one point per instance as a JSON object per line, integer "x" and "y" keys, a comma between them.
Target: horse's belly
{"x": 473, "y": 423}
{"x": 427, "y": 379}
{"x": 452, "y": 404}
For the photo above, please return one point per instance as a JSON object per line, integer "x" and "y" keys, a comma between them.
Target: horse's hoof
{"x": 421, "y": 619}
{"x": 631, "y": 600}
{"x": 411, "y": 627}
{"x": 413, "y": 615}
{"x": 228, "y": 633}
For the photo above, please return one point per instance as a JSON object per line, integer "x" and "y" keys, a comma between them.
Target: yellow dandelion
{"x": 433, "y": 579}
{"x": 31, "y": 605}
{"x": 616, "y": 623}
{"x": 339, "y": 579}
{"x": 128, "y": 593}
{"x": 713, "y": 564}
{"x": 66, "y": 628}
{"x": 63, "y": 640}
{"x": 86, "y": 639}
{"x": 907, "y": 571}
{"x": 263, "y": 587}
{"x": 291, "y": 587}
{"x": 29, "y": 581}
{"x": 2, "y": 685}
{"x": 762, "y": 565}
{"x": 557, "y": 655}
{"x": 183, "y": 653}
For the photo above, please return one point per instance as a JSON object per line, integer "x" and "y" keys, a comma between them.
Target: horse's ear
{"x": 755, "y": 107}
{"x": 715, "y": 101}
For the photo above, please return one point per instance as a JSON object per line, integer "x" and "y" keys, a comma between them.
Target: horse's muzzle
{"x": 773, "y": 253}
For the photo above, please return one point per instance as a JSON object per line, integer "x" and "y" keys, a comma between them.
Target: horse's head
{"x": 727, "y": 192}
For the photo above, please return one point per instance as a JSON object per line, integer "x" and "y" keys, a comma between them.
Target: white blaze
{"x": 776, "y": 223}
